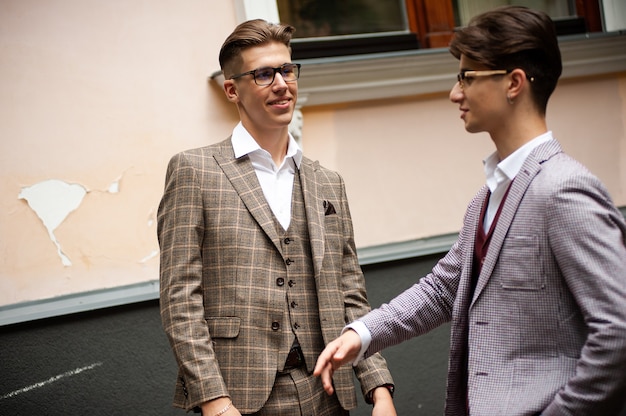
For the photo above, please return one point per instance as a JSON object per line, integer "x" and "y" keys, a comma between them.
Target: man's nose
{"x": 279, "y": 80}
{"x": 456, "y": 93}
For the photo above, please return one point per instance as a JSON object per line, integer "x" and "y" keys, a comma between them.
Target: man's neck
{"x": 517, "y": 134}
{"x": 275, "y": 142}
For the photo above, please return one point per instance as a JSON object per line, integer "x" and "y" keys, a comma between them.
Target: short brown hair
{"x": 248, "y": 34}
{"x": 513, "y": 37}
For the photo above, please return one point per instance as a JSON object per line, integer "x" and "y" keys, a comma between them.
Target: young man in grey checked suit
{"x": 535, "y": 286}
{"x": 258, "y": 262}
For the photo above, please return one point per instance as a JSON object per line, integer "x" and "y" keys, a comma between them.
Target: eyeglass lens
{"x": 265, "y": 76}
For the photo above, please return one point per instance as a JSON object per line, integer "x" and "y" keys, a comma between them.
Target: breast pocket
{"x": 520, "y": 265}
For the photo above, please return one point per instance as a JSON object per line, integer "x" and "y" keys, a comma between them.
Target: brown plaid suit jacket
{"x": 219, "y": 254}
{"x": 546, "y": 326}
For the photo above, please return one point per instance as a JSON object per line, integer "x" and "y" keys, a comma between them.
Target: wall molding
{"x": 79, "y": 302}
{"x": 406, "y": 249}
{"x": 409, "y": 73}
{"x": 343, "y": 79}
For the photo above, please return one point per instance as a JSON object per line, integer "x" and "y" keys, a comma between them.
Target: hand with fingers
{"x": 342, "y": 350}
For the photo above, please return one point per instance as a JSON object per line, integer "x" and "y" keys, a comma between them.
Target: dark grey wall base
{"x": 110, "y": 362}
{"x": 117, "y": 361}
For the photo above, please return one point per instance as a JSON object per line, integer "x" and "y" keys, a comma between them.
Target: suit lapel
{"x": 313, "y": 203}
{"x": 243, "y": 178}
{"x": 530, "y": 168}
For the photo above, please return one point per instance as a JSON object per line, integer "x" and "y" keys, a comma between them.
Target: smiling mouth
{"x": 280, "y": 102}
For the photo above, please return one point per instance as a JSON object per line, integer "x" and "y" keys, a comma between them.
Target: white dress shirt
{"x": 276, "y": 181}
{"x": 499, "y": 176}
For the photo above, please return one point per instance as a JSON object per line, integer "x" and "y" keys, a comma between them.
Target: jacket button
{"x": 280, "y": 281}
{"x": 288, "y": 261}
{"x": 287, "y": 240}
{"x": 294, "y": 304}
{"x": 275, "y": 326}
{"x": 291, "y": 283}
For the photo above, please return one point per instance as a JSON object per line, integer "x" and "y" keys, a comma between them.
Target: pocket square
{"x": 329, "y": 209}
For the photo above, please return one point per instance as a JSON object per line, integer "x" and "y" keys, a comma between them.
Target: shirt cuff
{"x": 366, "y": 338}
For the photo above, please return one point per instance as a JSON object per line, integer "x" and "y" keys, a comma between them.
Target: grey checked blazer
{"x": 219, "y": 255}
{"x": 546, "y": 326}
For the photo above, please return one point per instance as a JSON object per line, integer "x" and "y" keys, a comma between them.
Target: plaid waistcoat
{"x": 301, "y": 307}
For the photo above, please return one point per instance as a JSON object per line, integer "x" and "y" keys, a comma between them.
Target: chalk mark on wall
{"x": 51, "y": 380}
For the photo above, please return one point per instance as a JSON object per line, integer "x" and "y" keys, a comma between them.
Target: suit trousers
{"x": 298, "y": 393}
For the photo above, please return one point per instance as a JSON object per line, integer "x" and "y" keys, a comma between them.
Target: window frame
{"x": 431, "y": 24}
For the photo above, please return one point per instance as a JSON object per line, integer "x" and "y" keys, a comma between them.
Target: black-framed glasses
{"x": 265, "y": 76}
{"x": 469, "y": 74}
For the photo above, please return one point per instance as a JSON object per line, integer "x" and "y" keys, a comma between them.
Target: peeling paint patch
{"x": 151, "y": 217}
{"x": 53, "y": 200}
{"x": 114, "y": 188}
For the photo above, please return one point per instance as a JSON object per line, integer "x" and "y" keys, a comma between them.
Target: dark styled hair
{"x": 513, "y": 37}
{"x": 248, "y": 34}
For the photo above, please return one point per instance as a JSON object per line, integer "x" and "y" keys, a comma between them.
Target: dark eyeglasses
{"x": 265, "y": 76}
{"x": 465, "y": 74}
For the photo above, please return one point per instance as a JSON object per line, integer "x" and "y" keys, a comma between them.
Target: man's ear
{"x": 518, "y": 79}
{"x": 230, "y": 89}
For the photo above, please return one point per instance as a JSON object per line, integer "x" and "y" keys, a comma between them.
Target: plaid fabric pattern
{"x": 545, "y": 330}
{"x": 300, "y": 393}
{"x": 301, "y": 319}
{"x": 220, "y": 260}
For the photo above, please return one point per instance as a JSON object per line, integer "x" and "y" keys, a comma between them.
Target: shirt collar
{"x": 504, "y": 171}
{"x": 244, "y": 143}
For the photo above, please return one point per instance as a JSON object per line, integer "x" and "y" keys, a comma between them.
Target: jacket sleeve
{"x": 180, "y": 231}
{"x": 588, "y": 240}
{"x": 421, "y": 308}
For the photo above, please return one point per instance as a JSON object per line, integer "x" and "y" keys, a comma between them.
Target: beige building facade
{"x": 97, "y": 96}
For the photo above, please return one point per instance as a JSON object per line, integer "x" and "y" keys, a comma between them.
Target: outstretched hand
{"x": 342, "y": 350}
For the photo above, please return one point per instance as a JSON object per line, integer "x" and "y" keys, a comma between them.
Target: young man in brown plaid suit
{"x": 258, "y": 263}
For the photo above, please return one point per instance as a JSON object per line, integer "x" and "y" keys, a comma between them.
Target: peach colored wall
{"x": 410, "y": 167}
{"x": 97, "y": 93}
{"x": 100, "y": 94}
